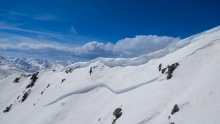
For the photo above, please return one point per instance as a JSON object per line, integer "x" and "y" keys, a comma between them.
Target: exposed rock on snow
{"x": 26, "y": 94}
{"x": 7, "y": 109}
{"x": 63, "y": 80}
{"x": 17, "y": 80}
{"x": 33, "y": 80}
{"x": 117, "y": 113}
{"x": 175, "y": 109}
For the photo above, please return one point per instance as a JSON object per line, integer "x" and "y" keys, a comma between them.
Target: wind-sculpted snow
{"x": 103, "y": 85}
{"x": 112, "y": 62}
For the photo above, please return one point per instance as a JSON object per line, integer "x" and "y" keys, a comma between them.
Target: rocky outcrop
{"x": 63, "y": 80}
{"x": 26, "y": 94}
{"x": 69, "y": 71}
{"x": 175, "y": 109}
{"x": 16, "y": 80}
{"x": 117, "y": 113}
{"x": 170, "y": 70}
{"x": 7, "y": 109}
{"x": 160, "y": 66}
{"x": 33, "y": 80}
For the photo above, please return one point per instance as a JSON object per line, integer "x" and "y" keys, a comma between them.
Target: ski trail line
{"x": 89, "y": 88}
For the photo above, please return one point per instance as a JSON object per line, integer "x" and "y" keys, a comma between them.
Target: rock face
{"x": 69, "y": 71}
{"x": 17, "y": 80}
{"x": 90, "y": 71}
{"x": 7, "y": 109}
{"x": 117, "y": 113}
{"x": 33, "y": 80}
{"x": 163, "y": 70}
{"x": 175, "y": 109}
{"x": 63, "y": 80}
{"x": 171, "y": 69}
{"x": 25, "y": 95}
{"x": 160, "y": 66}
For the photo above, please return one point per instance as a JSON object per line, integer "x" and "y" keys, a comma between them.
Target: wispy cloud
{"x": 73, "y": 30}
{"x": 46, "y": 18}
{"x": 13, "y": 12}
{"x": 11, "y": 31}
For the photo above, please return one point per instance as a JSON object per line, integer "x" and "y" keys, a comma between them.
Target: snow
{"x": 9, "y": 65}
{"x": 135, "y": 85}
{"x": 112, "y": 62}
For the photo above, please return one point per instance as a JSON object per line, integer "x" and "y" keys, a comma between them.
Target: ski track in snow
{"x": 103, "y": 85}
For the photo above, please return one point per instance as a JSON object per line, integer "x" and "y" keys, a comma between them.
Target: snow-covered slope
{"x": 135, "y": 85}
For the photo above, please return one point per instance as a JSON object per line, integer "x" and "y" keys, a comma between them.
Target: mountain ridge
{"x": 90, "y": 94}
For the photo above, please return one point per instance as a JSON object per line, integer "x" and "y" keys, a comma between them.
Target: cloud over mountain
{"x": 128, "y": 47}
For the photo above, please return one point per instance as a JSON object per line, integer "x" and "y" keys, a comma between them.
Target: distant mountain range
{"x": 9, "y": 65}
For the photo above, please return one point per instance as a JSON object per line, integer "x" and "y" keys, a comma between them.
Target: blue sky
{"x": 85, "y": 29}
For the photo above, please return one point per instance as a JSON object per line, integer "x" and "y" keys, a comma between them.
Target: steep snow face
{"x": 90, "y": 92}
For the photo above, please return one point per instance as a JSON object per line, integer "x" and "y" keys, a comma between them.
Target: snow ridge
{"x": 103, "y": 85}
{"x": 112, "y": 62}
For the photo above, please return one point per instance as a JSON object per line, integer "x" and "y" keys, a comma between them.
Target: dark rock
{"x": 169, "y": 117}
{"x": 33, "y": 80}
{"x": 42, "y": 92}
{"x": 16, "y": 80}
{"x": 163, "y": 70}
{"x": 18, "y": 97}
{"x": 171, "y": 122}
{"x": 118, "y": 110}
{"x": 48, "y": 85}
{"x": 114, "y": 121}
{"x": 25, "y": 95}
{"x": 160, "y": 66}
{"x": 170, "y": 70}
{"x": 69, "y": 71}
{"x": 117, "y": 113}
{"x": 28, "y": 75}
{"x": 175, "y": 109}
{"x": 7, "y": 109}
{"x": 169, "y": 76}
{"x": 90, "y": 71}
{"x": 63, "y": 80}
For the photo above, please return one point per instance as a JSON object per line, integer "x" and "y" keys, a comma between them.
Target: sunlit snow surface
{"x": 146, "y": 96}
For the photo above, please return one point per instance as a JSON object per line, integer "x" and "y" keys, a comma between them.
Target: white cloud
{"x": 142, "y": 44}
{"x": 128, "y": 47}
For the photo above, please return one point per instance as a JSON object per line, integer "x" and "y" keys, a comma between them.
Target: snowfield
{"x": 136, "y": 85}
